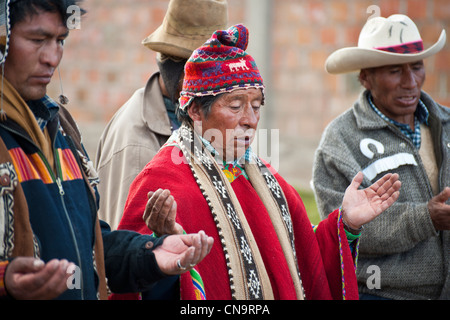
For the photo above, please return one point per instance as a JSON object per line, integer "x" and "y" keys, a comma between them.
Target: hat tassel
{"x": 62, "y": 98}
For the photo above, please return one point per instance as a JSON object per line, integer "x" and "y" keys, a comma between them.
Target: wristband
{"x": 350, "y": 229}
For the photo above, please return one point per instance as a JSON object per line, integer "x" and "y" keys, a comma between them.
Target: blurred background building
{"x": 104, "y": 63}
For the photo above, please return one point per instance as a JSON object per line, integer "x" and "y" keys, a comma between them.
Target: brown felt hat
{"x": 187, "y": 25}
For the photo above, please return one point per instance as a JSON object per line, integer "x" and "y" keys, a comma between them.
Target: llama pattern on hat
{"x": 235, "y": 66}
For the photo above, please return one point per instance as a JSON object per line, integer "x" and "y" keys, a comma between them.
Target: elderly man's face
{"x": 395, "y": 89}
{"x": 34, "y": 53}
{"x": 231, "y": 124}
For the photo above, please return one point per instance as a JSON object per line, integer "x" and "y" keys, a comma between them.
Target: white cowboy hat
{"x": 187, "y": 25}
{"x": 383, "y": 41}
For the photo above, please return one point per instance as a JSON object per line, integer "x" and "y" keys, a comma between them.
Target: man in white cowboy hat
{"x": 393, "y": 127}
{"x": 144, "y": 123}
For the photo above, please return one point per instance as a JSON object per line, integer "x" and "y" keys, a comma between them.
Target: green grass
{"x": 310, "y": 204}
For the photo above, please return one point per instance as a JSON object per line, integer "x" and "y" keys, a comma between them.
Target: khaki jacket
{"x": 130, "y": 140}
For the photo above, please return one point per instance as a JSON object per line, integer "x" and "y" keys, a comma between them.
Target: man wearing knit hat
{"x": 147, "y": 119}
{"x": 265, "y": 246}
{"x": 393, "y": 127}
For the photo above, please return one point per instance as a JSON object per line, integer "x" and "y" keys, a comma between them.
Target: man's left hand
{"x": 180, "y": 253}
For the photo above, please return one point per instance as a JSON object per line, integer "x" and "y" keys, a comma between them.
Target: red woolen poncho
{"x": 324, "y": 257}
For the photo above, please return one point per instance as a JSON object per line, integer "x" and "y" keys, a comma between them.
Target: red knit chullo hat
{"x": 220, "y": 65}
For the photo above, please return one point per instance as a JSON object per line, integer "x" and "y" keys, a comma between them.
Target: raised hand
{"x": 180, "y": 253}
{"x": 362, "y": 206}
{"x": 160, "y": 213}
{"x": 439, "y": 210}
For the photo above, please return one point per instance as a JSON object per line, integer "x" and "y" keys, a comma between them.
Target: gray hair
{"x": 205, "y": 104}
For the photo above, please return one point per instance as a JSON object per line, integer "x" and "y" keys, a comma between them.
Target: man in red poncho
{"x": 264, "y": 244}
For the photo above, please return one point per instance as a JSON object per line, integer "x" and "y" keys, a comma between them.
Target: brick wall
{"x": 105, "y": 63}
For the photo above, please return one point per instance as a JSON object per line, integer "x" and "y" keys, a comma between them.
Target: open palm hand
{"x": 180, "y": 253}
{"x": 362, "y": 206}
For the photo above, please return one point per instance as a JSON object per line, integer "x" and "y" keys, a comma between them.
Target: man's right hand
{"x": 27, "y": 278}
{"x": 160, "y": 213}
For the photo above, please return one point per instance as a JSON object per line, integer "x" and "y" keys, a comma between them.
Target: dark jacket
{"x": 62, "y": 208}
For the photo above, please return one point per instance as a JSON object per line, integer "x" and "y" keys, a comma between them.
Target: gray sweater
{"x": 412, "y": 257}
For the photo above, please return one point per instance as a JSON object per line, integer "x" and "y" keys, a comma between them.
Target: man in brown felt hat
{"x": 144, "y": 123}
{"x": 393, "y": 127}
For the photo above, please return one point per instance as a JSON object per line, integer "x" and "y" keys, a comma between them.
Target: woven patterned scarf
{"x": 247, "y": 274}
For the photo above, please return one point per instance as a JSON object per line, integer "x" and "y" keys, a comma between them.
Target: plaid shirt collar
{"x": 44, "y": 110}
{"x": 420, "y": 116}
